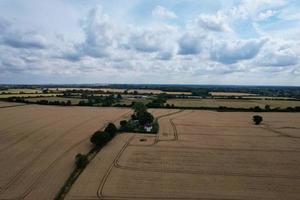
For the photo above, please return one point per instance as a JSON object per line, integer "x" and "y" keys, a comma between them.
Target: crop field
{"x": 74, "y": 101}
{"x": 232, "y": 103}
{"x": 199, "y": 155}
{"x": 27, "y": 95}
{"x": 114, "y": 90}
{"x": 21, "y": 90}
{"x": 129, "y": 101}
{"x": 4, "y": 104}
{"x": 38, "y": 145}
{"x": 228, "y": 94}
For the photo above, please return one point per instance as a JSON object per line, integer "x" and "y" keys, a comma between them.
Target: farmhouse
{"x": 148, "y": 127}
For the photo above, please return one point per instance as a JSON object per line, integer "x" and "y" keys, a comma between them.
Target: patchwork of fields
{"x": 232, "y": 103}
{"x": 196, "y": 155}
{"x": 38, "y": 145}
{"x": 199, "y": 155}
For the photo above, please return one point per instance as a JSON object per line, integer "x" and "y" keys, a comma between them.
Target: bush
{"x": 267, "y": 107}
{"x": 99, "y": 138}
{"x": 123, "y": 123}
{"x": 111, "y": 129}
{"x": 69, "y": 103}
{"x": 257, "y": 119}
{"x": 81, "y": 161}
{"x": 257, "y": 109}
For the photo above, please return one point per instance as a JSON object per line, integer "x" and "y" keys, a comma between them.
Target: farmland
{"x": 74, "y": 101}
{"x": 39, "y": 143}
{"x": 3, "y": 96}
{"x": 115, "y": 90}
{"x": 199, "y": 155}
{"x": 233, "y": 103}
{"x": 228, "y": 94}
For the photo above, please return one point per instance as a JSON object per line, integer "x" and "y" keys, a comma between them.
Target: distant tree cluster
{"x": 139, "y": 119}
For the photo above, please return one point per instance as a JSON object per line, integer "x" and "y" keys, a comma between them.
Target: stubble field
{"x": 232, "y": 103}
{"x": 199, "y": 155}
{"x": 38, "y": 145}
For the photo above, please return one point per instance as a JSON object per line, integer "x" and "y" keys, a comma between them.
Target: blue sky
{"x": 245, "y": 42}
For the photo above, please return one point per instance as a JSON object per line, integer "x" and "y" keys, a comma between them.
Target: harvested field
{"x": 2, "y": 96}
{"x": 74, "y": 101}
{"x": 39, "y": 143}
{"x": 4, "y": 104}
{"x": 115, "y": 90}
{"x": 231, "y": 94}
{"x": 22, "y": 90}
{"x": 232, "y": 103}
{"x": 199, "y": 155}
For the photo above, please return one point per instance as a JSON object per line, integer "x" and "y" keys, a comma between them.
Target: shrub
{"x": 69, "y": 103}
{"x": 257, "y": 119}
{"x": 257, "y": 109}
{"x": 123, "y": 123}
{"x": 81, "y": 161}
{"x": 267, "y": 107}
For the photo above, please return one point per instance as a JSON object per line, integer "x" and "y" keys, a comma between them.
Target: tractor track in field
{"x": 104, "y": 125}
{"x": 105, "y": 177}
{"x": 21, "y": 123}
{"x": 12, "y": 106}
{"x": 116, "y": 164}
{"x": 31, "y": 133}
{"x": 45, "y": 172}
{"x": 67, "y": 132}
{"x": 280, "y": 134}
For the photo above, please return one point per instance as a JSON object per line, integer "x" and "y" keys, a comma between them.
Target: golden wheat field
{"x": 38, "y": 145}
{"x": 199, "y": 155}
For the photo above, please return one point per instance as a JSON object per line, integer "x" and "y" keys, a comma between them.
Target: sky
{"x": 221, "y": 42}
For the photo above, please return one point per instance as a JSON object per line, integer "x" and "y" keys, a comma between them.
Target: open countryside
{"x": 149, "y": 100}
{"x": 38, "y": 146}
{"x": 199, "y": 154}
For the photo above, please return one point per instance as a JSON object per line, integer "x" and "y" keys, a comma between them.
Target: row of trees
{"x": 99, "y": 139}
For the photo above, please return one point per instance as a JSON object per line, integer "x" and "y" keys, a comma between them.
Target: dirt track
{"x": 200, "y": 155}
{"x": 39, "y": 143}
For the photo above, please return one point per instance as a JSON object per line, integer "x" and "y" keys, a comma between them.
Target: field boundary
{"x": 77, "y": 171}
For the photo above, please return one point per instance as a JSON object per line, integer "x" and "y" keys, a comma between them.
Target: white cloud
{"x": 163, "y": 13}
{"x": 20, "y": 39}
{"x": 100, "y": 34}
{"x": 207, "y": 47}
{"x": 214, "y": 22}
{"x": 279, "y": 54}
{"x": 265, "y": 15}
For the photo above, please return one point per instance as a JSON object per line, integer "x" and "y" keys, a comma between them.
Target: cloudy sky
{"x": 245, "y": 42}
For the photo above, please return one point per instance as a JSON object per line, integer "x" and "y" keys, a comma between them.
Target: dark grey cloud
{"x": 24, "y": 40}
{"x": 20, "y": 39}
{"x": 190, "y": 44}
{"x": 279, "y": 58}
{"x": 230, "y": 52}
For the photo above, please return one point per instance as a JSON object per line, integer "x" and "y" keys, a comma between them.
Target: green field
{"x": 232, "y": 103}
{"x": 21, "y": 90}
{"x": 3, "y": 96}
{"x": 128, "y": 101}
